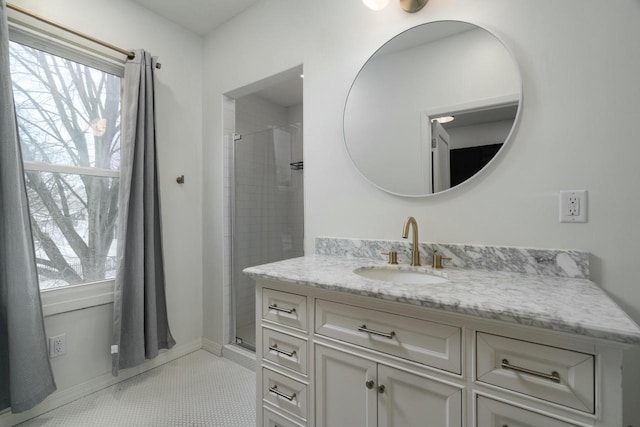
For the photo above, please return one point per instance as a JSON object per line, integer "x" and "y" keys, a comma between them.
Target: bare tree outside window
{"x": 69, "y": 125}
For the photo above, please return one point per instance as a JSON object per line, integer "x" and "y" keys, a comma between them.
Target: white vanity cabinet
{"x": 356, "y": 389}
{"x": 330, "y": 358}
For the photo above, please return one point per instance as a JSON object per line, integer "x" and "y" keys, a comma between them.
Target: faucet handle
{"x": 393, "y": 256}
{"x": 437, "y": 260}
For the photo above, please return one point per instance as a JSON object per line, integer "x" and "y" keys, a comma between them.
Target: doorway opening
{"x": 264, "y": 188}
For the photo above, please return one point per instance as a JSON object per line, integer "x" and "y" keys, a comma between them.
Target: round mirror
{"x": 431, "y": 108}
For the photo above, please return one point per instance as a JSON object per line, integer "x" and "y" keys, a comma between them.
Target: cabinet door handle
{"x": 275, "y": 307}
{"x": 275, "y": 348}
{"x": 277, "y": 392}
{"x": 554, "y": 376}
{"x": 381, "y": 389}
{"x": 388, "y": 335}
{"x": 369, "y": 384}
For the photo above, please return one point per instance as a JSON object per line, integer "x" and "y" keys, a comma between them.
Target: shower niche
{"x": 264, "y": 188}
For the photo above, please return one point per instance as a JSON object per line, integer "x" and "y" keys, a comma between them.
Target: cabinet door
{"x": 492, "y": 413}
{"x": 342, "y": 396}
{"x": 409, "y": 400}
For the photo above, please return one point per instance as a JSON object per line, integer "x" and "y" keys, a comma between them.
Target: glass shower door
{"x": 267, "y": 215}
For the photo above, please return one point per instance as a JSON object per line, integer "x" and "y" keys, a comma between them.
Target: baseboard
{"x": 212, "y": 347}
{"x": 63, "y": 397}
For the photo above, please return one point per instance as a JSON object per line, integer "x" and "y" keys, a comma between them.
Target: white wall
{"x": 255, "y": 114}
{"x": 579, "y": 120}
{"x": 179, "y": 111}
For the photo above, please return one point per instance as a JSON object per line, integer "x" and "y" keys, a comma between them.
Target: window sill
{"x": 71, "y": 298}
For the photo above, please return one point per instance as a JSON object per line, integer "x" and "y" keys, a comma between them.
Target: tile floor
{"x": 197, "y": 390}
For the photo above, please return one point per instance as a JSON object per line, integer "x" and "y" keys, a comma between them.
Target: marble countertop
{"x": 570, "y": 305}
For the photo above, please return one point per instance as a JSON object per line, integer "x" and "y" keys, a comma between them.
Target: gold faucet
{"x": 415, "y": 253}
{"x": 437, "y": 259}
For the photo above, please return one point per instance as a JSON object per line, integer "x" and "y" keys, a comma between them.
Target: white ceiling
{"x": 487, "y": 115}
{"x": 199, "y": 16}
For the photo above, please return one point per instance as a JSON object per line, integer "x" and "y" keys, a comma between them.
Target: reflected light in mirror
{"x": 443, "y": 119}
{"x": 376, "y": 4}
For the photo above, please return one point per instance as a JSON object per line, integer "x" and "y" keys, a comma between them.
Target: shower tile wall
{"x": 255, "y": 114}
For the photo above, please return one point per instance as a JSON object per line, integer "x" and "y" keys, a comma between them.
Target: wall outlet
{"x": 573, "y": 206}
{"x": 57, "y": 345}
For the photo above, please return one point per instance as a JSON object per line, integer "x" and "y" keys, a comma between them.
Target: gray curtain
{"x": 141, "y": 325}
{"x": 25, "y": 373}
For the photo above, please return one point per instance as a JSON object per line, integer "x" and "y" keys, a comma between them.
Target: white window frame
{"x": 38, "y": 35}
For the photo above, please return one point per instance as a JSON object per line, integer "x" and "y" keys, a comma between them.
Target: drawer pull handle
{"x": 554, "y": 376}
{"x": 275, "y": 348}
{"x": 389, "y": 335}
{"x": 277, "y": 392}
{"x": 275, "y": 307}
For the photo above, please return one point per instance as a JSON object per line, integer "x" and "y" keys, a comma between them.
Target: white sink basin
{"x": 400, "y": 275}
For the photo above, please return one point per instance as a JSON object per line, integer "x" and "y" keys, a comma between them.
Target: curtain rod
{"x": 129, "y": 54}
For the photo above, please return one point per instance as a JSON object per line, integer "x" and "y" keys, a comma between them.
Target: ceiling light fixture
{"x": 376, "y": 4}
{"x": 410, "y": 6}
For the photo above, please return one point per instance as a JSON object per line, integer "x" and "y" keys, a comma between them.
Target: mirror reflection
{"x": 431, "y": 108}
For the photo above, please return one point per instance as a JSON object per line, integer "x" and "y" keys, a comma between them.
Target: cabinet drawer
{"x": 285, "y": 350}
{"x": 561, "y": 376}
{"x": 284, "y": 393}
{"x": 430, "y": 343}
{"x": 285, "y": 308}
{"x": 491, "y": 413}
{"x": 272, "y": 419}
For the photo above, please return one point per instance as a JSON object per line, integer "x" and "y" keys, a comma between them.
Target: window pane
{"x": 68, "y": 113}
{"x": 74, "y": 224}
